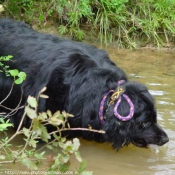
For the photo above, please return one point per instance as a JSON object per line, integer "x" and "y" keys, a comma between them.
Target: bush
{"x": 127, "y": 22}
{"x": 29, "y": 154}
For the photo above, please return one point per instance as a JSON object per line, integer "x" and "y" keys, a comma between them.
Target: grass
{"x": 125, "y": 22}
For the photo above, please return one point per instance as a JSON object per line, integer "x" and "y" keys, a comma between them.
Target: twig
{"x": 25, "y": 146}
{"x": 14, "y": 111}
{"x": 11, "y": 161}
{"x": 17, "y": 107}
{"x": 80, "y": 129}
{"x": 8, "y": 94}
{"x": 45, "y": 145}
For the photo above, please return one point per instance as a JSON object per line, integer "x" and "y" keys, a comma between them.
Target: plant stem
{"x": 16, "y": 133}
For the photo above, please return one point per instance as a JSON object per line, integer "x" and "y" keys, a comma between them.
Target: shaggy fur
{"x": 77, "y": 76}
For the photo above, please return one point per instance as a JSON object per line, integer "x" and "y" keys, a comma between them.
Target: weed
{"x": 123, "y": 21}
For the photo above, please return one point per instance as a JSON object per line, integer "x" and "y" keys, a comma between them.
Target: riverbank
{"x": 128, "y": 24}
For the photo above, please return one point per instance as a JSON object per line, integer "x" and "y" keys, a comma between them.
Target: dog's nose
{"x": 165, "y": 139}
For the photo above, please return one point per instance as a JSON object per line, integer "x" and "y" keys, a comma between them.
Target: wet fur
{"x": 77, "y": 76}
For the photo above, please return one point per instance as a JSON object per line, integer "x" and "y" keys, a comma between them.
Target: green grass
{"x": 125, "y": 22}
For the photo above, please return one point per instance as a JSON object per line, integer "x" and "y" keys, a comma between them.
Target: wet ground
{"x": 157, "y": 71}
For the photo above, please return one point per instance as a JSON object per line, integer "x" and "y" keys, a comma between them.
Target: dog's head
{"x": 140, "y": 127}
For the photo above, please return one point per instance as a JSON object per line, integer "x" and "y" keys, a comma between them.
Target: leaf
{"x": 13, "y": 72}
{"x": 42, "y": 153}
{"x": 4, "y": 126}
{"x": 55, "y": 121}
{"x": 65, "y": 114}
{"x": 49, "y": 113}
{"x": 29, "y": 164}
{"x": 42, "y": 116}
{"x": 30, "y": 112}
{"x": 21, "y": 78}
{"x": 49, "y": 147}
{"x": 33, "y": 143}
{"x": 22, "y": 75}
{"x": 35, "y": 124}
{"x": 18, "y": 81}
{"x": 78, "y": 156}
{"x": 87, "y": 173}
{"x": 32, "y": 101}
{"x": 82, "y": 166}
{"x": 56, "y": 114}
{"x": 76, "y": 144}
{"x": 26, "y": 132}
{"x": 15, "y": 154}
{"x": 43, "y": 89}
{"x": 64, "y": 158}
{"x": 2, "y": 157}
{"x": 44, "y": 134}
{"x": 44, "y": 96}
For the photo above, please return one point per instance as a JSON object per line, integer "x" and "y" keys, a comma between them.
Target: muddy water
{"x": 157, "y": 71}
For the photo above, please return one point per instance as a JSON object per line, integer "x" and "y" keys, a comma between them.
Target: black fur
{"x": 77, "y": 76}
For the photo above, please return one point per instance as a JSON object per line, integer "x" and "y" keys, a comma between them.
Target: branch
{"x": 80, "y": 129}
{"x": 11, "y": 161}
{"x": 17, "y": 107}
{"x": 8, "y": 94}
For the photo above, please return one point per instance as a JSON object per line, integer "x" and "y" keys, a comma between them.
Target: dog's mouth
{"x": 140, "y": 143}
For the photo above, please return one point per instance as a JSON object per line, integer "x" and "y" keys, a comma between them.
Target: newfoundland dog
{"x": 82, "y": 80}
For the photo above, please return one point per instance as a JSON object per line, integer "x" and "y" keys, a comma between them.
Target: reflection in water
{"x": 157, "y": 71}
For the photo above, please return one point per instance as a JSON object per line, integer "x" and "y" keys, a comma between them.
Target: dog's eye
{"x": 143, "y": 125}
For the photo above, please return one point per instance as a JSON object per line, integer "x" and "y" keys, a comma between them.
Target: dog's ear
{"x": 149, "y": 100}
{"x": 147, "y": 97}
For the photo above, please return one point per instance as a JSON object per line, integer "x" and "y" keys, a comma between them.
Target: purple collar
{"x": 116, "y": 95}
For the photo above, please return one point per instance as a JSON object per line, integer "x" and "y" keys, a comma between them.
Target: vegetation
{"x": 29, "y": 154}
{"x": 129, "y": 23}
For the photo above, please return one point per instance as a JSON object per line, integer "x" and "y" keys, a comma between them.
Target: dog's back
{"x": 8, "y": 25}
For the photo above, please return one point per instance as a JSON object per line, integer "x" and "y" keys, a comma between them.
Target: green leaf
{"x": 42, "y": 116}
{"x": 87, "y": 173}
{"x": 76, "y": 144}
{"x": 55, "y": 121}
{"x": 26, "y": 132}
{"x": 78, "y": 156}
{"x": 35, "y": 124}
{"x": 66, "y": 115}
{"x": 30, "y": 112}
{"x": 22, "y": 75}
{"x": 82, "y": 166}
{"x": 19, "y": 80}
{"x": 49, "y": 147}
{"x": 63, "y": 167}
{"x": 13, "y": 72}
{"x": 2, "y": 157}
{"x": 65, "y": 158}
{"x": 33, "y": 143}
{"x": 56, "y": 114}
{"x": 44, "y": 134}
{"x": 29, "y": 164}
{"x": 32, "y": 101}
{"x": 49, "y": 113}
{"x": 4, "y": 124}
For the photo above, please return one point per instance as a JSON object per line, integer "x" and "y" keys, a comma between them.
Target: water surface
{"x": 157, "y": 71}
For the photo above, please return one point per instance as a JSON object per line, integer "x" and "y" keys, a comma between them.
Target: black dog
{"x": 81, "y": 80}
